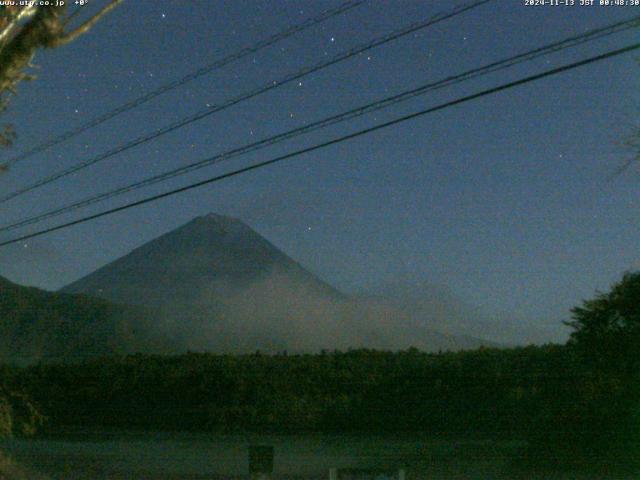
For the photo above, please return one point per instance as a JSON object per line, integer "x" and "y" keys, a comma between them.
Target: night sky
{"x": 507, "y": 200}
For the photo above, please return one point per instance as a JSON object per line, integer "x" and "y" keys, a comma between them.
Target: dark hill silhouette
{"x": 40, "y": 325}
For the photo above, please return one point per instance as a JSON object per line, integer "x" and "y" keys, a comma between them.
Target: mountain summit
{"x": 215, "y": 252}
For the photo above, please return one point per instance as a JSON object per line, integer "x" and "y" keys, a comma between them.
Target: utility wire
{"x": 443, "y": 106}
{"x": 267, "y": 42}
{"x": 251, "y": 94}
{"x": 344, "y": 116}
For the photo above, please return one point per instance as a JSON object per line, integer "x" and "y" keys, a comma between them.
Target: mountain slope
{"x": 217, "y": 285}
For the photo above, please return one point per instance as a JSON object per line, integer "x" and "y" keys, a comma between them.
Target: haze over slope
{"x": 221, "y": 286}
{"x": 448, "y": 313}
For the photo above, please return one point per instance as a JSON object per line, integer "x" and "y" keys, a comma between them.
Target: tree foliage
{"x": 483, "y": 392}
{"x": 598, "y": 424}
{"x": 606, "y": 329}
{"x": 18, "y": 414}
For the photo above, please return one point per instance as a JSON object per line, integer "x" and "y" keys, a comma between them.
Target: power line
{"x": 353, "y": 113}
{"x": 288, "y": 32}
{"x": 251, "y": 94}
{"x": 337, "y": 140}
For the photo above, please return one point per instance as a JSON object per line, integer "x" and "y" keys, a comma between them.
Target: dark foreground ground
{"x": 163, "y": 456}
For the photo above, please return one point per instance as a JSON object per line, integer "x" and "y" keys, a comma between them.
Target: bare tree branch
{"x": 86, "y": 26}
{"x": 23, "y": 31}
{"x": 14, "y": 20}
{"x": 44, "y": 30}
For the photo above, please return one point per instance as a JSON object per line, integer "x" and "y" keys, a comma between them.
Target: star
{"x": 333, "y": 39}
{"x": 164, "y": 15}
